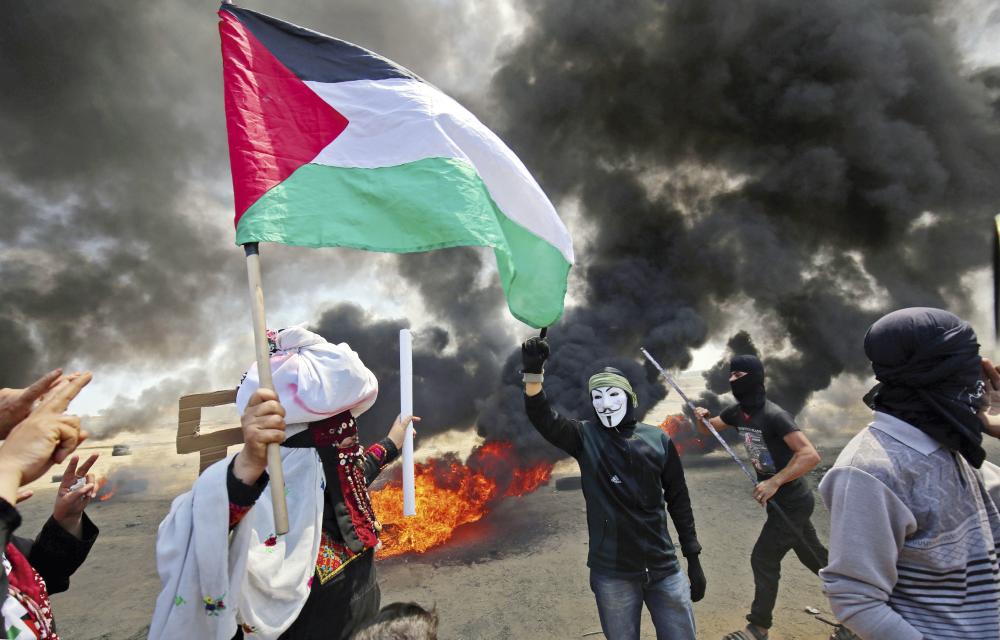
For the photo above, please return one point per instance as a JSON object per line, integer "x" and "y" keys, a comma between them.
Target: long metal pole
{"x": 274, "y": 470}
{"x": 725, "y": 445}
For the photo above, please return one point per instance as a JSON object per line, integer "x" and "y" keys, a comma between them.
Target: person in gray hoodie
{"x": 914, "y": 524}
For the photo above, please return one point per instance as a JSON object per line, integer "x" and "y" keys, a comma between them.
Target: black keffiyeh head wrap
{"x": 749, "y": 389}
{"x": 929, "y": 369}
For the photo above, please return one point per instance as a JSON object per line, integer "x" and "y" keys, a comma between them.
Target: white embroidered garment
{"x": 212, "y": 580}
{"x": 263, "y": 581}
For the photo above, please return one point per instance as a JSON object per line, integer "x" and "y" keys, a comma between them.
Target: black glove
{"x": 697, "y": 578}
{"x": 534, "y": 353}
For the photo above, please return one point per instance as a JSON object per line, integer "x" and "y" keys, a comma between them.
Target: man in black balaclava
{"x": 629, "y": 470}
{"x": 914, "y": 519}
{"x": 781, "y": 455}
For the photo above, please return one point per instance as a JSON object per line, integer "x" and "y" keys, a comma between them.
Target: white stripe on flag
{"x": 398, "y": 121}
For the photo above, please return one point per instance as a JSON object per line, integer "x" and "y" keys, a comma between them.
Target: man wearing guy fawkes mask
{"x": 781, "y": 454}
{"x": 628, "y": 471}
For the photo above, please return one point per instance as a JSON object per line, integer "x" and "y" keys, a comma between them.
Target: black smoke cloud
{"x": 447, "y": 382}
{"x": 817, "y": 163}
{"x": 103, "y": 256}
{"x": 115, "y": 198}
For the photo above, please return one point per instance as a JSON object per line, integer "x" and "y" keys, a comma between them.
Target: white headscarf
{"x": 314, "y": 379}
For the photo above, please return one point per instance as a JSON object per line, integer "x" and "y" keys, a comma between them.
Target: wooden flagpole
{"x": 274, "y": 470}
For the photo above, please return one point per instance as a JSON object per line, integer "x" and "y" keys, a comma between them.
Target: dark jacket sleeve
{"x": 378, "y": 457}
{"x": 675, "y": 493}
{"x": 560, "y": 431}
{"x": 57, "y": 553}
{"x": 242, "y": 496}
{"x": 10, "y": 520}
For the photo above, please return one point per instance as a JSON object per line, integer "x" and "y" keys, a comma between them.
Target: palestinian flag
{"x": 333, "y": 145}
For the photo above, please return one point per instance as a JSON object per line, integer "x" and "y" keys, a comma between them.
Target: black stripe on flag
{"x": 314, "y": 56}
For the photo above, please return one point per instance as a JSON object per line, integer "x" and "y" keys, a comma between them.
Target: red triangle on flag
{"x": 275, "y": 122}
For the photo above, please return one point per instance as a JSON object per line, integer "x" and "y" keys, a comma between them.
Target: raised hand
{"x": 16, "y": 404}
{"x": 990, "y": 411}
{"x": 398, "y": 430}
{"x": 263, "y": 424}
{"x": 46, "y": 437}
{"x": 534, "y": 353}
{"x": 73, "y": 496}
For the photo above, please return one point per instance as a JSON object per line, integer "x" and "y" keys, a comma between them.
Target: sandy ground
{"x": 519, "y": 573}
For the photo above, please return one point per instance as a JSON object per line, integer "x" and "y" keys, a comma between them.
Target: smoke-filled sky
{"x": 792, "y": 169}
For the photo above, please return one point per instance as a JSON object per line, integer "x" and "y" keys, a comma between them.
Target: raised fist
{"x": 534, "y": 353}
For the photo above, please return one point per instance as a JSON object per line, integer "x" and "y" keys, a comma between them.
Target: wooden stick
{"x": 274, "y": 470}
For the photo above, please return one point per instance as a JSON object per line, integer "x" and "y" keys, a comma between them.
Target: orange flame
{"x": 106, "y": 490}
{"x": 450, "y": 494}
{"x": 527, "y": 480}
{"x": 440, "y": 508}
{"x": 684, "y": 436}
{"x": 497, "y": 458}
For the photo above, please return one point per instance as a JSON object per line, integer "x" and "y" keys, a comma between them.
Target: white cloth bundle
{"x": 263, "y": 581}
{"x": 314, "y": 378}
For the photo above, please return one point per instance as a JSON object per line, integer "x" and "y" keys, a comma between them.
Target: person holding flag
{"x": 332, "y": 145}
{"x": 225, "y": 572}
{"x": 629, "y": 470}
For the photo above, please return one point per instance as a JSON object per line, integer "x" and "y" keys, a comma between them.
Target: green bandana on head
{"x": 610, "y": 379}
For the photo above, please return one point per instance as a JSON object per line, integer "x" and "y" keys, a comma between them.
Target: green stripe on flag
{"x": 429, "y": 204}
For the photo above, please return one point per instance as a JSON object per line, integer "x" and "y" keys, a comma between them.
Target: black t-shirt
{"x": 763, "y": 434}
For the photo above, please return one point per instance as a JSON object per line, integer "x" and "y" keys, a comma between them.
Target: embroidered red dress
{"x": 344, "y": 591}
{"x": 33, "y": 569}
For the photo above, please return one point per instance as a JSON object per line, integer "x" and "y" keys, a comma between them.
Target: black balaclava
{"x": 929, "y": 369}
{"x": 749, "y": 390}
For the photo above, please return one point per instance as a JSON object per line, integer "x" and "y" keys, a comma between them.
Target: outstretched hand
{"x": 46, "y": 437}
{"x": 16, "y": 404}
{"x": 72, "y": 497}
{"x": 398, "y": 430}
{"x": 990, "y": 411}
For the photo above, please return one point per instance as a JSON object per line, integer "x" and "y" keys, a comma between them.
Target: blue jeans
{"x": 619, "y": 603}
